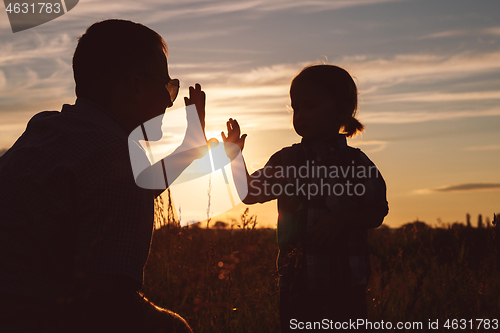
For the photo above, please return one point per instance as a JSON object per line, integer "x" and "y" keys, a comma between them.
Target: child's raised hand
{"x": 233, "y": 136}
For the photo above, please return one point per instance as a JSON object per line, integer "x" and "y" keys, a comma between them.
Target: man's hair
{"x": 108, "y": 52}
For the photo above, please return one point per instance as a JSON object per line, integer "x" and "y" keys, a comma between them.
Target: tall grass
{"x": 224, "y": 280}
{"x": 421, "y": 273}
{"x": 219, "y": 280}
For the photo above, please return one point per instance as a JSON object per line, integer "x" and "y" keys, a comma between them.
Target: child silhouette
{"x": 328, "y": 194}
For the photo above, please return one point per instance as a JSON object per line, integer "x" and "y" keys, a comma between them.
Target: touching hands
{"x": 198, "y": 98}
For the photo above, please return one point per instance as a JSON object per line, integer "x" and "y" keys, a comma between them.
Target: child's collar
{"x": 334, "y": 142}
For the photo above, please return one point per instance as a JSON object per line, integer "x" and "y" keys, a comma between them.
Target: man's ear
{"x": 134, "y": 85}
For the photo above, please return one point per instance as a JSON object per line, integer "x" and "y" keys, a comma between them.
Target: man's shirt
{"x": 69, "y": 205}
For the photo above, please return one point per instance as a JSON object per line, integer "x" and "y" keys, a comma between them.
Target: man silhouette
{"x": 75, "y": 229}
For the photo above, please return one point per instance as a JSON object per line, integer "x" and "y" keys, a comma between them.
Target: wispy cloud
{"x": 484, "y": 148}
{"x": 380, "y": 81}
{"x": 440, "y": 96}
{"x": 30, "y": 89}
{"x": 199, "y": 10}
{"x": 159, "y": 10}
{"x": 35, "y": 69}
{"x": 319, "y": 5}
{"x": 103, "y": 9}
{"x": 35, "y": 46}
{"x": 468, "y": 187}
{"x": 492, "y": 31}
{"x": 461, "y": 188}
{"x": 417, "y": 68}
{"x": 405, "y": 117}
{"x": 373, "y": 146}
{"x": 3, "y": 80}
{"x": 261, "y": 93}
{"x": 220, "y": 65}
{"x": 194, "y": 35}
{"x": 425, "y": 87}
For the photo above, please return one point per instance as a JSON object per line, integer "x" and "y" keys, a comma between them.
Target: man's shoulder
{"x": 68, "y": 120}
{"x": 69, "y": 138}
{"x": 43, "y": 115}
{"x": 77, "y": 126}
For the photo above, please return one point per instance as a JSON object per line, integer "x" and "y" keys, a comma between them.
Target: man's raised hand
{"x": 198, "y": 98}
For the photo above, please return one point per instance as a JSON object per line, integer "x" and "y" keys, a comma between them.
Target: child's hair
{"x": 337, "y": 83}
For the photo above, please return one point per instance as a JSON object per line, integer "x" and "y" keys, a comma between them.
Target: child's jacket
{"x": 310, "y": 181}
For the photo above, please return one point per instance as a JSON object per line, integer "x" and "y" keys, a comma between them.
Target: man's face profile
{"x": 154, "y": 98}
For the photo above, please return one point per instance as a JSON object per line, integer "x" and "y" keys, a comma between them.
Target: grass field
{"x": 224, "y": 280}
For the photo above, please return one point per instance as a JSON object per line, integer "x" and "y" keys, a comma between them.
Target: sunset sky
{"x": 428, "y": 74}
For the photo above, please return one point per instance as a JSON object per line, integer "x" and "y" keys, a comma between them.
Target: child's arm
{"x": 233, "y": 149}
{"x": 257, "y": 182}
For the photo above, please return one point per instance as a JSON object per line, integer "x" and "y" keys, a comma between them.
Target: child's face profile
{"x": 313, "y": 111}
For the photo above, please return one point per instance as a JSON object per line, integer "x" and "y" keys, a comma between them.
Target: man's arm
{"x": 163, "y": 173}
